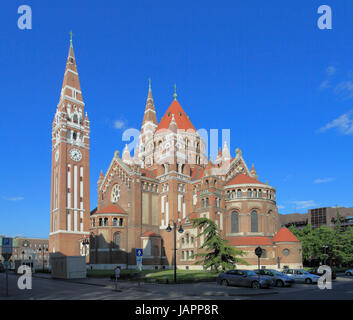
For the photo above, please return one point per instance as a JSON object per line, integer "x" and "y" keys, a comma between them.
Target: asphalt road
{"x": 102, "y": 289}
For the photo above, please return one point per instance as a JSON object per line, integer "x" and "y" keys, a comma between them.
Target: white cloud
{"x": 119, "y": 124}
{"x": 324, "y": 84}
{"x": 306, "y": 204}
{"x": 344, "y": 89}
{"x": 280, "y": 207}
{"x": 323, "y": 180}
{"x": 331, "y": 70}
{"x": 343, "y": 124}
{"x": 14, "y": 198}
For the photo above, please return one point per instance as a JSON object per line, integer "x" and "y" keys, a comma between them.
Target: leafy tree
{"x": 339, "y": 242}
{"x": 218, "y": 254}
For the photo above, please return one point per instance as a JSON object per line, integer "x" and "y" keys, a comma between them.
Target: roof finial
{"x": 149, "y": 84}
{"x": 175, "y": 94}
{"x": 71, "y": 34}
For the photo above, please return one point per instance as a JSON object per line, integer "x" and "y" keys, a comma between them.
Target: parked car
{"x": 244, "y": 278}
{"x": 278, "y": 278}
{"x": 349, "y": 272}
{"x": 316, "y": 272}
{"x": 301, "y": 276}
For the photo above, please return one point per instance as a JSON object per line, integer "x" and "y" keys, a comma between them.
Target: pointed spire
{"x": 253, "y": 172}
{"x": 101, "y": 178}
{"x": 71, "y": 34}
{"x": 226, "y": 153}
{"x": 126, "y": 155}
{"x": 175, "y": 94}
{"x": 150, "y": 112}
{"x": 71, "y": 84}
{"x": 219, "y": 156}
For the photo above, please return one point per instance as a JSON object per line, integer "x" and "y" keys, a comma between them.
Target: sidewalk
{"x": 195, "y": 289}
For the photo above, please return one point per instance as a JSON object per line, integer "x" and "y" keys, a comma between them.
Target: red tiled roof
{"x": 181, "y": 119}
{"x": 249, "y": 241}
{"x": 113, "y": 208}
{"x": 150, "y": 234}
{"x": 242, "y": 178}
{"x": 285, "y": 235}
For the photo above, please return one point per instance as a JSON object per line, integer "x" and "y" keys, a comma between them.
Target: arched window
{"x": 254, "y": 221}
{"x": 263, "y": 255}
{"x": 255, "y": 193}
{"x": 115, "y": 222}
{"x": 234, "y": 223}
{"x": 117, "y": 240}
{"x": 74, "y": 135}
{"x": 249, "y": 193}
{"x": 207, "y": 202}
{"x": 239, "y": 193}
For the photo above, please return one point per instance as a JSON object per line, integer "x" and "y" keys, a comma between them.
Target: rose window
{"x": 115, "y": 193}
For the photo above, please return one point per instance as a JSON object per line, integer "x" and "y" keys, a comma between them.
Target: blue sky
{"x": 262, "y": 69}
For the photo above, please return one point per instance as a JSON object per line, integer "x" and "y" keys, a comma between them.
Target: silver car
{"x": 278, "y": 278}
{"x": 244, "y": 278}
{"x": 301, "y": 276}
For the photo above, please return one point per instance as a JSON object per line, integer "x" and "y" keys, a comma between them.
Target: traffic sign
{"x": 258, "y": 251}
{"x": 139, "y": 252}
{"x": 6, "y": 249}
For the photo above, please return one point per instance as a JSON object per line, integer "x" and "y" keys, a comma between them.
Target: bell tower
{"x": 70, "y": 199}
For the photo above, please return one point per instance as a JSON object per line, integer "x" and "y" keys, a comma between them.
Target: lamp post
{"x": 85, "y": 242}
{"x": 175, "y": 248}
{"x": 43, "y": 250}
{"x": 25, "y": 245}
{"x": 325, "y": 246}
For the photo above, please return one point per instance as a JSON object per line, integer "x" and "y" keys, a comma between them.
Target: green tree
{"x": 218, "y": 255}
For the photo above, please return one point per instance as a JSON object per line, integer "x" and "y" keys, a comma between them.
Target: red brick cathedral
{"x": 167, "y": 182}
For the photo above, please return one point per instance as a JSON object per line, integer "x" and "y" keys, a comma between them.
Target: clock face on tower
{"x": 75, "y": 154}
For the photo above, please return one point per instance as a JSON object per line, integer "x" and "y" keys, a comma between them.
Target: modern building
{"x": 318, "y": 217}
{"x": 26, "y": 249}
{"x": 165, "y": 184}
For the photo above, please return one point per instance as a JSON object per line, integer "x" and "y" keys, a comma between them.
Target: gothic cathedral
{"x": 166, "y": 183}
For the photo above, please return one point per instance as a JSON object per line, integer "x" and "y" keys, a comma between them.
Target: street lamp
{"x": 181, "y": 230}
{"x": 44, "y": 250}
{"x": 325, "y": 246}
{"x": 85, "y": 242}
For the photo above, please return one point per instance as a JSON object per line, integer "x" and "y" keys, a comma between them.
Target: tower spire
{"x": 71, "y": 88}
{"x": 150, "y": 112}
{"x": 71, "y": 34}
{"x": 175, "y": 94}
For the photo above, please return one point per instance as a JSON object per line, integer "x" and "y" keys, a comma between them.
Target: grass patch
{"x": 124, "y": 274}
{"x": 158, "y": 276}
{"x": 183, "y": 276}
